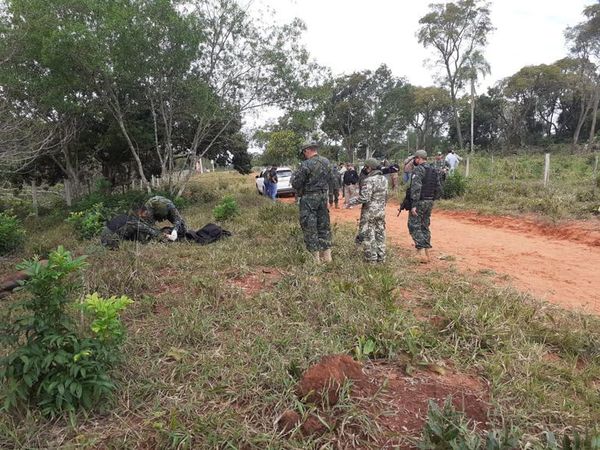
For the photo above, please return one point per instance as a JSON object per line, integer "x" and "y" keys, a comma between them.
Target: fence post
{"x": 34, "y": 197}
{"x": 132, "y": 184}
{"x": 596, "y": 168}
{"x": 546, "y": 169}
{"x": 467, "y": 168}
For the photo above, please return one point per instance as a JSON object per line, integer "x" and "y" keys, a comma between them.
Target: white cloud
{"x": 351, "y": 35}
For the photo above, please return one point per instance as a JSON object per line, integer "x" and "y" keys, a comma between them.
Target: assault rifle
{"x": 406, "y": 203}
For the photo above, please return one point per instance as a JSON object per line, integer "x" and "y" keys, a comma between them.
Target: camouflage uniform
{"x": 311, "y": 182}
{"x": 128, "y": 228}
{"x": 418, "y": 225}
{"x": 161, "y": 208}
{"x": 373, "y": 197}
{"x": 334, "y": 186}
{"x": 442, "y": 167}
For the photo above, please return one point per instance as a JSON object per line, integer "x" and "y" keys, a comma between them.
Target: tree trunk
{"x": 594, "y": 114}
{"x": 116, "y": 111}
{"x": 34, "y": 197}
{"x": 582, "y": 116}
{"x": 472, "y": 113}
{"x": 456, "y": 118}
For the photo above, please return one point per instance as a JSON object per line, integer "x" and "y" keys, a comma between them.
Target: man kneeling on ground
{"x": 140, "y": 225}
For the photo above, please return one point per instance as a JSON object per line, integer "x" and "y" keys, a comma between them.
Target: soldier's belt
{"x": 316, "y": 192}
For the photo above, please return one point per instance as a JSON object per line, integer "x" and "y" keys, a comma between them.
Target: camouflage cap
{"x": 372, "y": 163}
{"x": 421, "y": 154}
{"x": 308, "y": 145}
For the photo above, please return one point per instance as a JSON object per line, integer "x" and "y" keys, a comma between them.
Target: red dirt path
{"x": 559, "y": 264}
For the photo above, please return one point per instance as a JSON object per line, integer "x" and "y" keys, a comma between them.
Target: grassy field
{"x": 219, "y": 335}
{"x": 514, "y": 185}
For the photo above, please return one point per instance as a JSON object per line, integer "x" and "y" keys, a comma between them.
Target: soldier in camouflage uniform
{"x": 373, "y": 197}
{"x": 424, "y": 189}
{"x": 158, "y": 209}
{"x": 311, "y": 182}
{"x": 334, "y": 187}
{"x": 441, "y": 166}
{"x": 128, "y": 227}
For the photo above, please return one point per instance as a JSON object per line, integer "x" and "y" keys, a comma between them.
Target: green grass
{"x": 514, "y": 185}
{"x": 208, "y": 366}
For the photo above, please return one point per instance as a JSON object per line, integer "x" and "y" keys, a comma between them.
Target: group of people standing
{"x": 317, "y": 183}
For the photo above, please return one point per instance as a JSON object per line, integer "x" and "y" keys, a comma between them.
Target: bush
{"x": 16, "y": 206}
{"x": 447, "y": 428}
{"x": 226, "y": 209}
{"x": 454, "y": 186}
{"x": 89, "y": 223}
{"x": 54, "y": 364}
{"x": 12, "y": 234}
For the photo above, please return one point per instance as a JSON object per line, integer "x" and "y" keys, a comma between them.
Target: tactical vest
{"x": 429, "y": 184}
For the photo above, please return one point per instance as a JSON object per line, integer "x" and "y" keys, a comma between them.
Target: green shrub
{"x": 54, "y": 363}
{"x": 12, "y": 234}
{"x": 455, "y": 185}
{"x": 16, "y": 206}
{"x": 89, "y": 223}
{"x": 447, "y": 428}
{"x": 122, "y": 203}
{"x": 226, "y": 209}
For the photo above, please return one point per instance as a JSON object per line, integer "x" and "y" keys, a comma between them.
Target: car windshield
{"x": 284, "y": 173}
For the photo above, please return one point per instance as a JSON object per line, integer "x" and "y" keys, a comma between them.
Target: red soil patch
{"x": 405, "y": 400}
{"x": 584, "y": 232}
{"x": 261, "y": 279}
{"x": 398, "y": 402}
{"x": 558, "y": 264}
{"x": 322, "y": 382}
{"x": 311, "y": 426}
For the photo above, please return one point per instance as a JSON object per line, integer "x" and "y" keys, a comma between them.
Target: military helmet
{"x": 372, "y": 163}
{"x": 421, "y": 154}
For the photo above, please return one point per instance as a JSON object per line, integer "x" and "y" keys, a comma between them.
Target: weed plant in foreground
{"x": 218, "y": 336}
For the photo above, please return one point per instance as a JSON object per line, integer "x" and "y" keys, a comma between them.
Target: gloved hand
{"x": 173, "y": 236}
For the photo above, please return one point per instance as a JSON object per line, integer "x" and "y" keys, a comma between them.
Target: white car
{"x": 284, "y": 176}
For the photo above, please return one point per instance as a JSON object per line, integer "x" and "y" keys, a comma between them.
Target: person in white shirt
{"x": 453, "y": 160}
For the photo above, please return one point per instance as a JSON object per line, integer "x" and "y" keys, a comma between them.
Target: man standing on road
{"x": 271, "y": 181}
{"x": 334, "y": 187}
{"x": 311, "y": 182}
{"x": 350, "y": 184}
{"x": 373, "y": 196}
{"x": 441, "y": 165}
{"x": 424, "y": 189}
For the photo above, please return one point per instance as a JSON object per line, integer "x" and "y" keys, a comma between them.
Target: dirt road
{"x": 559, "y": 264}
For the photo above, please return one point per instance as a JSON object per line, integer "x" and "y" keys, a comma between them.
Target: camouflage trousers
{"x": 334, "y": 195}
{"x": 373, "y": 238}
{"x": 314, "y": 221}
{"x": 418, "y": 226}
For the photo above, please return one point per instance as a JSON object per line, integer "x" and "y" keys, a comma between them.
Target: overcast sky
{"x": 351, "y": 35}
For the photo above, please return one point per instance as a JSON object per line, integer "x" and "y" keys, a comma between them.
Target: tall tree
{"x": 585, "y": 45}
{"x": 477, "y": 66}
{"x": 350, "y": 115}
{"x": 455, "y": 31}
